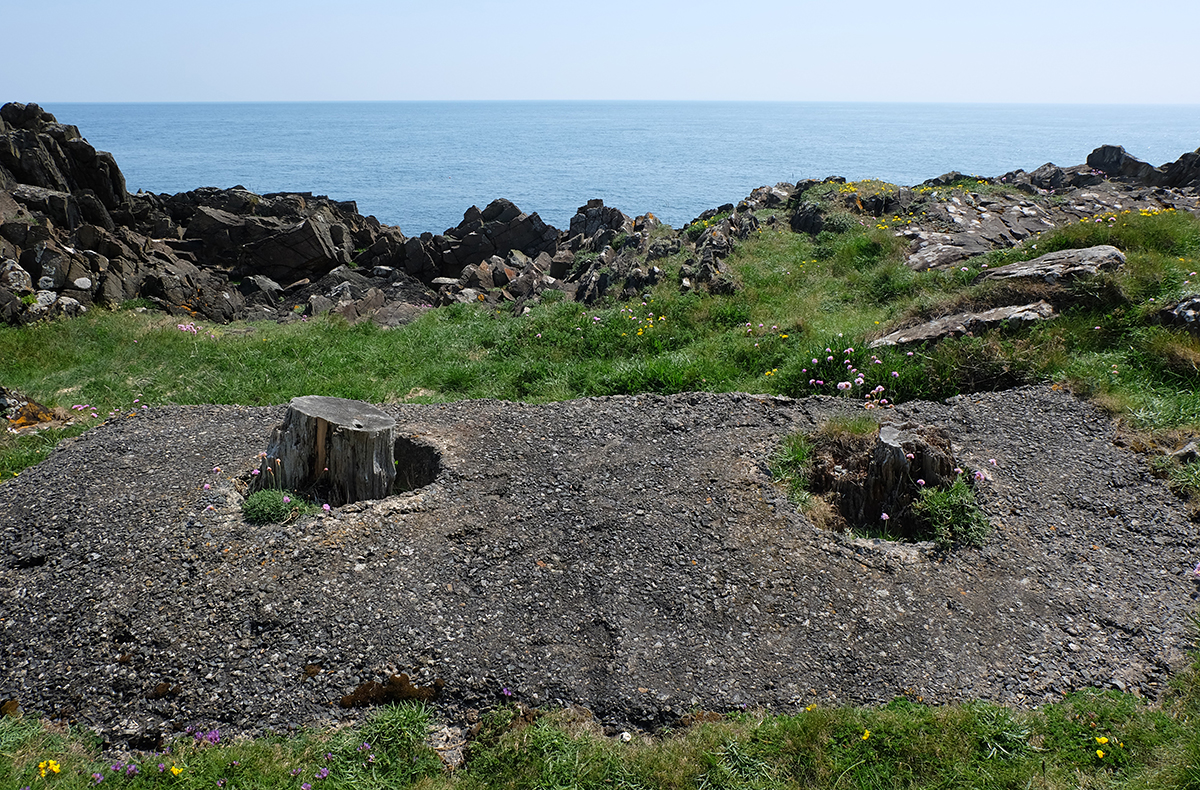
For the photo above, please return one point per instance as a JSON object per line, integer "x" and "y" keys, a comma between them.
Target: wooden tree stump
{"x": 342, "y": 449}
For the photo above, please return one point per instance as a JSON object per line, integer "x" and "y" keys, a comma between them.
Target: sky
{"x": 1014, "y": 51}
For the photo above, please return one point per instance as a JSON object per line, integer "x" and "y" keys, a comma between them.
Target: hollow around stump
{"x": 344, "y": 450}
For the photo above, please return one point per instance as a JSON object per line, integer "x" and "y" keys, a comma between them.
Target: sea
{"x": 420, "y": 165}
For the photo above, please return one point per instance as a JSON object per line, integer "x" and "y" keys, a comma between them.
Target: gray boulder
{"x": 15, "y": 279}
{"x": 1061, "y": 266}
{"x": 966, "y": 323}
{"x": 1184, "y": 314}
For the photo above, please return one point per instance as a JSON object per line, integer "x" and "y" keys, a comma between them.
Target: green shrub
{"x": 695, "y": 230}
{"x": 840, "y": 222}
{"x": 266, "y": 507}
{"x": 952, "y": 514}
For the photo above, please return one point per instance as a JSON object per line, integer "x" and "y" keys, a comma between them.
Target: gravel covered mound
{"x": 629, "y": 554}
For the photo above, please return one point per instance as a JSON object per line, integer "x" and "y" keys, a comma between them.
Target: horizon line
{"x": 629, "y": 101}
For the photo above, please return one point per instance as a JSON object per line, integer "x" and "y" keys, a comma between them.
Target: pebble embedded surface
{"x": 628, "y": 554}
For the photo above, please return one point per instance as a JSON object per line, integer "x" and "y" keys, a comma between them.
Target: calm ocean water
{"x": 420, "y": 165}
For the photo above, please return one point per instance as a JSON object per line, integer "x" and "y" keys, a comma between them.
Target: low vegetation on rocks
{"x": 873, "y": 293}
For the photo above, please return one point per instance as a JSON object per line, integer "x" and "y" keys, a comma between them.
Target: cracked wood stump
{"x": 343, "y": 450}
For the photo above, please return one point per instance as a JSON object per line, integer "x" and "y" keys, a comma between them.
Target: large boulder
{"x": 1061, "y": 266}
{"x": 1184, "y": 171}
{"x": 966, "y": 323}
{"x": 1116, "y": 163}
{"x": 310, "y": 249}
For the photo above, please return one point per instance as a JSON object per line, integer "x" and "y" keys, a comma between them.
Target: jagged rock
{"x": 395, "y": 314}
{"x": 14, "y": 278}
{"x": 178, "y": 284}
{"x": 38, "y": 151}
{"x": 497, "y": 230}
{"x": 1184, "y": 314}
{"x": 943, "y": 250}
{"x": 639, "y": 280}
{"x": 22, "y": 412}
{"x": 49, "y": 304}
{"x": 945, "y": 179}
{"x": 966, "y": 323}
{"x": 1183, "y": 172}
{"x": 1116, "y": 163}
{"x": 1048, "y": 176}
{"x": 807, "y": 218}
{"x": 592, "y": 286}
{"x": 361, "y": 309}
{"x": 11, "y": 307}
{"x": 59, "y": 206}
{"x": 769, "y": 197}
{"x": 312, "y": 248}
{"x": 663, "y": 248}
{"x": 1061, "y": 266}
{"x": 593, "y": 218}
{"x": 741, "y": 225}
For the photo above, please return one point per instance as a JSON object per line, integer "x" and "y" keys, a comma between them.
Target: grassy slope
{"x": 801, "y": 300}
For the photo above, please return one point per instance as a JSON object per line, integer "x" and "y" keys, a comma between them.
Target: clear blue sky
{"x": 1079, "y": 51}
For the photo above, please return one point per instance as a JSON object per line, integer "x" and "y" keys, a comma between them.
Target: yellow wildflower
{"x": 1100, "y": 753}
{"x": 866, "y": 734}
{"x": 1101, "y": 740}
{"x": 176, "y": 770}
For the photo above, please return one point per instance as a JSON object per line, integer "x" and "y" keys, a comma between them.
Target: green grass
{"x": 792, "y": 464}
{"x": 798, "y": 297}
{"x": 904, "y": 744}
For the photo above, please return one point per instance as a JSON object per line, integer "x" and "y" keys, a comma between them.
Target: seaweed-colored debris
{"x": 398, "y": 688}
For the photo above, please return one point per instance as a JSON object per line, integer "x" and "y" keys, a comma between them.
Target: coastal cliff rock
{"x": 81, "y": 239}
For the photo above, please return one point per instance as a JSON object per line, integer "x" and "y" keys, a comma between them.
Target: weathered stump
{"x": 343, "y": 449}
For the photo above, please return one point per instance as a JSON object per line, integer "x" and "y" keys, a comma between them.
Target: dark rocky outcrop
{"x": 1114, "y": 162}
{"x": 72, "y": 237}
